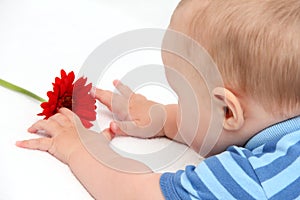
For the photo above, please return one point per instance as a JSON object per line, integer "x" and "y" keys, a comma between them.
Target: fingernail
{"x": 32, "y": 130}
{"x": 18, "y": 143}
{"x": 115, "y": 82}
{"x": 29, "y": 129}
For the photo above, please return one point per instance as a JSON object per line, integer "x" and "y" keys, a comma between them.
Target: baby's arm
{"x": 138, "y": 116}
{"x": 104, "y": 182}
{"x": 98, "y": 173}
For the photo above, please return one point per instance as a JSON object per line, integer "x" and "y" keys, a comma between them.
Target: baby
{"x": 256, "y": 46}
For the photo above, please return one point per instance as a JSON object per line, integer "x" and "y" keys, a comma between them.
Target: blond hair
{"x": 256, "y": 45}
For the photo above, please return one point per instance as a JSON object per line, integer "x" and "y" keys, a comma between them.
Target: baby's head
{"x": 256, "y": 46}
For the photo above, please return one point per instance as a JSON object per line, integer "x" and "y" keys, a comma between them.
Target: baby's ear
{"x": 232, "y": 109}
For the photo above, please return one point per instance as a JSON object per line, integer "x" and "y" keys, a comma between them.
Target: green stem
{"x": 16, "y": 88}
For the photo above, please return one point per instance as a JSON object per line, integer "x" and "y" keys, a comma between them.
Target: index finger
{"x": 104, "y": 96}
{"x": 50, "y": 126}
{"x": 123, "y": 89}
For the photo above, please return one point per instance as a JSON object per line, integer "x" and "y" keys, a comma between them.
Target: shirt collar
{"x": 274, "y": 132}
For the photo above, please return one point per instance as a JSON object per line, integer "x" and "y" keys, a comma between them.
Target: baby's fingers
{"x": 104, "y": 96}
{"x": 130, "y": 128}
{"x": 123, "y": 89}
{"x": 42, "y": 144}
{"x": 50, "y": 126}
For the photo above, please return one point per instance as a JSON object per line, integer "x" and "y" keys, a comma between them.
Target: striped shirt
{"x": 268, "y": 167}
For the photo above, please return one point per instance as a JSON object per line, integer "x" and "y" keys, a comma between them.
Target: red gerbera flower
{"x": 74, "y": 96}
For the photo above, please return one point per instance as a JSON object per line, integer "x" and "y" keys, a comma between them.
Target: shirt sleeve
{"x": 225, "y": 176}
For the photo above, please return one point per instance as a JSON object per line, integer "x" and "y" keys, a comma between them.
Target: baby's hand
{"x": 136, "y": 115}
{"x": 63, "y": 139}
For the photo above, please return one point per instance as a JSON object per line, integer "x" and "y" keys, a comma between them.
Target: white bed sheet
{"x": 37, "y": 39}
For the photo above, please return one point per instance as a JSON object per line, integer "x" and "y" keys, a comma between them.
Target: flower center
{"x": 66, "y": 102}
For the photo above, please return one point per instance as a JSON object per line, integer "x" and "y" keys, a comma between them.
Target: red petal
{"x": 63, "y": 73}
{"x": 83, "y": 102}
{"x": 86, "y": 123}
{"x": 71, "y": 76}
{"x": 90, "y": 115}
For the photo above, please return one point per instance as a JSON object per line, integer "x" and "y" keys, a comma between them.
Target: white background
{"x": 37, "y": 39}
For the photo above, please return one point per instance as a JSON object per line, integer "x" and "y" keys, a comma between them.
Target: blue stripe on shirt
{"x": 197, "y": 184}
{"x": 290, "y": 192}
{"x": 226, "y": 180}
{"x": 269, "y": 156}
{"x": 211, "y": 182}
{"x": 170, "y": 186}
{"x": 283, "y": 179}
{"x": 279, "y": 164}
{"x": 243, "y": 162}
{"x": 242, "y": 175}
{"x": 258, "y": 151}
